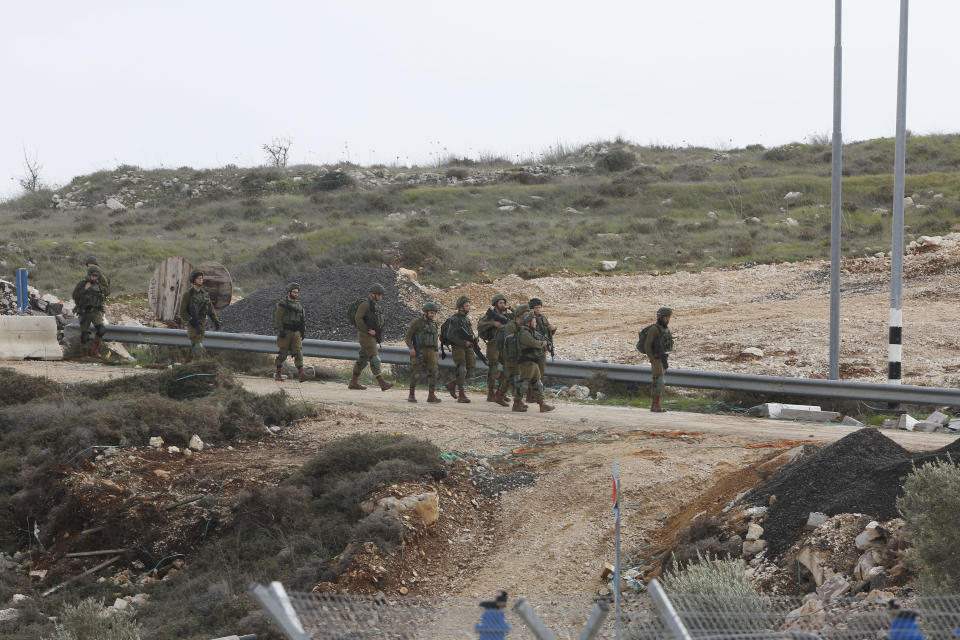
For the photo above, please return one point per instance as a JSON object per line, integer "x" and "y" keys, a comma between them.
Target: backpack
{"x": 643, "y": 336}
{"x": 445, "y": 330}
{"x": 352, "y": 311}
{"x": 511, "y": 346}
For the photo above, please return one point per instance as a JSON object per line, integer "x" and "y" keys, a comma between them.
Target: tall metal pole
{"x": 894, "y": 348}
{"x": 835, "y": 200}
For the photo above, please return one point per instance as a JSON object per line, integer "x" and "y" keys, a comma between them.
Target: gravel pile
{"x": 861, "y": 473}
{"x": 325, "y": 296}
{"x": 492, "y": 484}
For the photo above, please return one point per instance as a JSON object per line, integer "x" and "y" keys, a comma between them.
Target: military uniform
{"x": 290, "y": 323}
{"x": 423, "y": 336}
{"x": 543, "y": 328}
{"x": 195, "y": 307}
{"x": 531, "y": 345}
{"x": 487, "y": 330}
{"x": 658, "y": 343}
{"x": 101, "y": 277}
{"x": 461, "y": 332}
{"x": 369, "y": 316}
{"x": 506, "y": 336}
{"x": 89, "y": 305}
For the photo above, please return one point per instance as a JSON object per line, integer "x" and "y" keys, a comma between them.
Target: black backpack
{"x": 352, "y": 311}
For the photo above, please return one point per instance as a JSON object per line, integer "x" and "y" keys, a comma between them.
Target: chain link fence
{"x": 310, "y": 616}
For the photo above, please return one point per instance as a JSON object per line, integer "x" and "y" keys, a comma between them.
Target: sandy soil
{"x": 554, "y": 535}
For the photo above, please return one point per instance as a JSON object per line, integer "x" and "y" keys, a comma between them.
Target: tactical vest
{"x": 200, "y": 305}
{"x": 93, "y": 298}
{"x": 530, "y": 354}
{"x": 292, "y": 318}
{"x": 427, "y": 335}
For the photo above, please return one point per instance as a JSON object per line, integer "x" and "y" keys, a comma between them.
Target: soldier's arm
{"x": 648, "y": 343}
{"x": 78, "y": 293}
{"x": 411, "y": 331}
{"x": 527, "y": 340}
{"x": 104, "y": 284}
{"x": 278, "y": 318}
{"x": 361, "y": 317}
{"x": 183, "y": 313}
{"x": 212, "y": 313}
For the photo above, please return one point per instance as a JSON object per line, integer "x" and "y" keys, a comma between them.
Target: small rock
{"x": 156, "y": 442}
{"x": 608, "y": 265}
{"x": 173, "y": 449}
{"x": 19, "y": 597}
{"x": 815, "y": 519}
{"x": 790, "y": 222}
{"x": 872, "y": 535}
{"x": 196, "y": 443}
{"x": 753, "y": 547}
{"x": 161, "y": 473}
{"x": 120, "y": 604}
{"x": 503, "y": 202}
{"x": 752, "y": 220}
{"x": 607, "y": 572}
{"x": 833, "y": 587}
{"x": 907, "y": 202}
{"x": 8, "y": 615}
{"x": 792, "y": 195}
{"x": 711, "y": 214}
{"x": 810, "y": 616}
{"x": 938, "y": 418}
{"x": 507, "y": 207}
{"x": 754, "y": 531}
{"x": 753, "y": 352}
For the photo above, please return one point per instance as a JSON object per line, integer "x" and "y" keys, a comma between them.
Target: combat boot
{"x": 95, "y": 352}
{"x": 412, "y": 397}
{"x": 301, "y": 376}
{"x": 499, "y": 398}
{"x": 491, "y": 393}
{"x": 452, "y": 388}
{"x": 384, "y": 385}
{"x": 462, "y": 397}
{"x": 354, "y": 384}
{"x": 544, "y": 407}
{"x": 530, "y": 394}
{"x": 518, "y": 405}
{"x": 655, "y": 405}
{"x": 432, "y": 397}
{"x": 278, "y": 376}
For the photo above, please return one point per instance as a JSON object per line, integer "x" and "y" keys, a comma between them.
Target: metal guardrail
{"x": 867, "y": 391}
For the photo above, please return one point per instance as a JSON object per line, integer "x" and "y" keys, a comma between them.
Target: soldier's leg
{"x": 656, "y": 369}
{"x": 283, "y": 349}
{"x": 296, "y": 348}
{"x": 85, "y": 335}
{"x": 493, "y": 360}
{"x": 537, "y": 385}
{"x": 199, "y": 350}
{"x": 414, "y": 374}
{"x": 374, "y": 354}
{"x": 460, "y": 370}
{"x": 363, "y": 359}
{"x": 433, "y": 373}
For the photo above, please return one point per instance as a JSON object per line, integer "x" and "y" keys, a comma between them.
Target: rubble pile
{"x": 40, "y": 304}
{"x": 860, "y": 473}
{"x": 325, "y": 295}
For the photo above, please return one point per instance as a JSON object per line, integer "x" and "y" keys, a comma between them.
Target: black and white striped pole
{"x": 895, "y": 346}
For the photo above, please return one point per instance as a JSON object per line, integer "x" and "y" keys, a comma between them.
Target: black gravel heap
{"x": 325, "y": 296}
{"x": 861, "y": 473}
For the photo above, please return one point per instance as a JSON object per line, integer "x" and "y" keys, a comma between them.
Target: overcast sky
{"x": 90, "y": 85}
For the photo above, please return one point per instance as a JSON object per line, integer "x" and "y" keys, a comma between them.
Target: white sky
{"x": 90, "y": 85}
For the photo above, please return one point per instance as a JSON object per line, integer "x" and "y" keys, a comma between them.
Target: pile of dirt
{"x": 861, "y": 473}
{"x": 325, "y": 296}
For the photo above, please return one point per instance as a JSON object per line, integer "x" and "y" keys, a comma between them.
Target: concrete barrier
{"x": 23, "y": 337}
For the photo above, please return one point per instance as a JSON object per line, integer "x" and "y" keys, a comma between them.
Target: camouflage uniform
{"x": 459, "y": 334}
{"x": 195, "y": 307}
{"x": 369, "y": 316}
{"x": 487, "y": 330}
{"x": 290, "y": 323}
{"x": 89, "y": 301}
{"x": 104, "y": 281}
{"x": 423, "y": 335}
{"x": 531, "y": 344}
{"x": 543, "y": 328}
{"x": 658, "y": 344}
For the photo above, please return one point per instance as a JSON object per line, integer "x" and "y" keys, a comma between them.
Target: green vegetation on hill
{"x": 649, "y": 208}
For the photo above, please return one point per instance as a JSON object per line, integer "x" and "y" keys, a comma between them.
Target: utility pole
{"x": 835, "y": 199}
{"x": 895, "y": 344}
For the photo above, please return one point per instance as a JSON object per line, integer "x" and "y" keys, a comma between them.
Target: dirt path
{"x": 554, "y": 535}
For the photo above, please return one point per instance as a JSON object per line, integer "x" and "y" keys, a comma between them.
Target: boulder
{"x": 815, "y": 519}
{"x": 753, "y": 547}
{"x": 868, "y": 561}
{"x": 810, "y": 616}
{"x": 834, "y": 587}
{"x": 608, "y": 265}
{"x": 409, "y": 273}
{"x": 907, "y": 202}
{"x": 871, "y": 536}
{"x": 790, "y": 222}
{"x": 156, "y": 442}
{"x": 754, "y": 531}
{"x": 813, "y": 560}
{"x": 937, "y": 418}
{"x": 196, "y": 443}
{"x": 115, "y": 205}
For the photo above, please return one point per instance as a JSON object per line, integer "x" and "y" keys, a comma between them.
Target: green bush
{"x": 87, "y": 621}
{"x": 930, "y": 502}
{"x": 718, "y": 587}
{"x": 333, "y": 181}
{"x": 617, "y": 160}
{"x": 421, "y": 251}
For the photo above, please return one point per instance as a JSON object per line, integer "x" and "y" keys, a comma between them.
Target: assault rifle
{"x": 549, "y": 339}
{"x": 497, "y": 317}
{"x": 466, "y": 337}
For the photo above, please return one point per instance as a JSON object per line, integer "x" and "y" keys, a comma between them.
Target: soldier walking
{"x": 657, "y": 343}
{"x": 89, "y": 298}
{"x": 511, "y": 359}
{"x": 369, "y": 322}
{"x": 545, "y": 329}
{"x": 423, "y": 341}
{"x": 291, "y": 326}
{"x": 498, "y": 315}
{"x": 195, "y": 307}
{"x": 460, "y": 335}
{"x": 532, "y": 344}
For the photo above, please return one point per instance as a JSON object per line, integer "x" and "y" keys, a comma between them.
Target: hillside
{"x": 648, "y": 208}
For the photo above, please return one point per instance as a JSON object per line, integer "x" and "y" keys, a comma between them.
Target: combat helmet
{"x": 535, "y": 302}
{"x": 462, "y": 300}
{"x": 376, "y": 287}
{"x": 196, "y": 273}
{"x": 497, "y": 298}
{"x": 664, "y": 312}
{"x": 292, "y": 286}
{"x": 430, "y": 306}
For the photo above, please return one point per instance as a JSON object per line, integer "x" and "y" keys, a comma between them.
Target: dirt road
{"x": 554, "y": 535}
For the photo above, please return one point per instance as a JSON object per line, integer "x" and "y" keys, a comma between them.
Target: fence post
{"x": 276, "y": 603}
{"x": 596, "y": 621}
{"x": 667, "y": 612}
{"x": 23, "y": 296}
{"x": 525, "y": 611}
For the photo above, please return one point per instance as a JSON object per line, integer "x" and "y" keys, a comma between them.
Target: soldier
{"x": 291, "y": 327}
{"x": 89, "y": 298}
{"x": 423, "y": 341}
{"x": 506, "y": 337}
{"x": 498, "y": 315}
{"x": 369, "y": 321}
{"x": 460, "y": 335}
{"x": 531, "y": 344}
{"x": 546, "y": 330}
{"x": 657, "y": 343}
{"x": 195, "y": 308}
{"x": 104, "y": 281}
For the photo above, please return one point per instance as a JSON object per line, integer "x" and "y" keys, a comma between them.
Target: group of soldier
{"x": 517, "y": 340}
